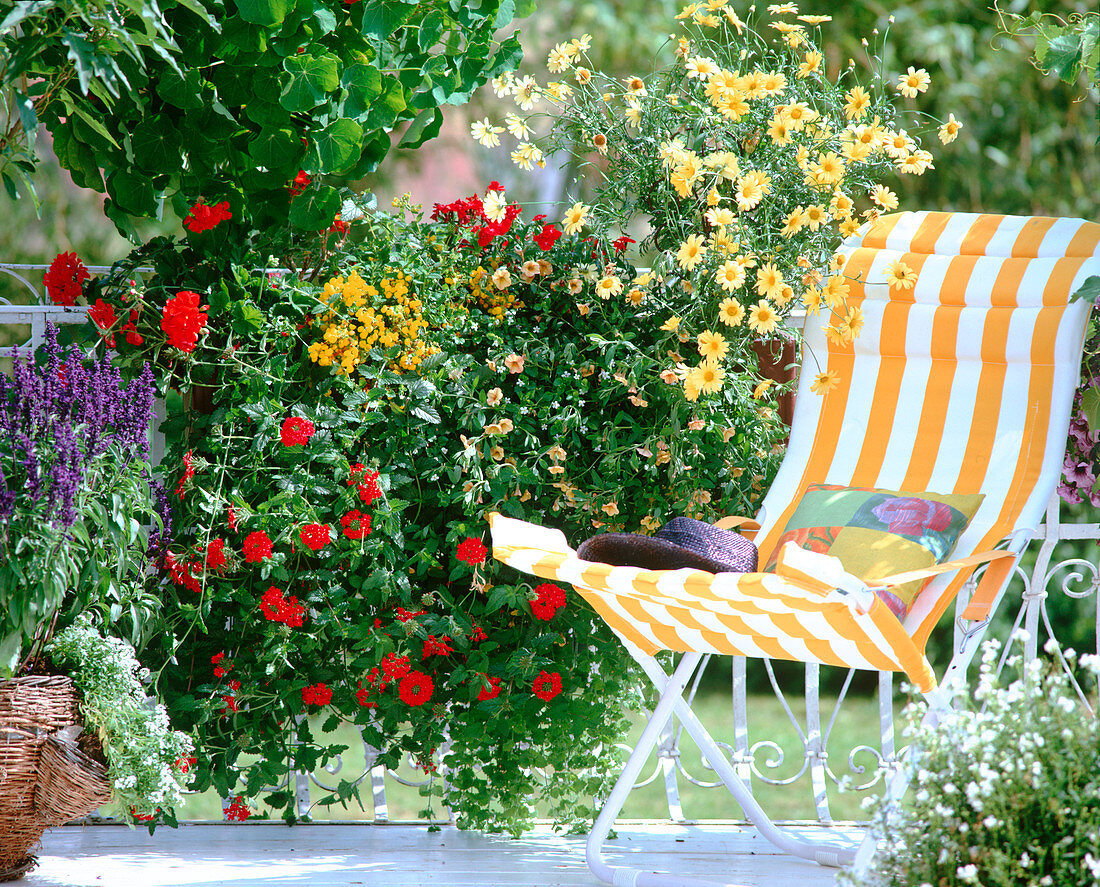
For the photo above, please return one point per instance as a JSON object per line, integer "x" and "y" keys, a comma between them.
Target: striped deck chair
{"x": 960, "y": 385}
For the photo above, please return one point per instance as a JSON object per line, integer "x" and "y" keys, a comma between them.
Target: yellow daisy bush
{"x": 751, "y": 157}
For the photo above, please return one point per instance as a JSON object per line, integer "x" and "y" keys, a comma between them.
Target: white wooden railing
{"x": 1056, "y": 571}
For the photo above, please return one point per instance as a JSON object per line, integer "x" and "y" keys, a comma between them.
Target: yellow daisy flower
{"x": 884, "y": 197}
{"x": 760, "y": 390}
{"x": 825, "y": 382}
{"x": 485, "y": 133}
{"x": 769, "y": 281}
{"x": 796, "y": 218}
{"x": 811, "y": 64}
{"x": 763, "y": 318}
{"x": 856, "y": 102}
{"x": 950, "y": 130}
{"x": 913, "y": 81}
{"x": 712, "y": 345}
{"x": 900, "y": 276}
{"x": 731, "y": 312}
{"x": 691, "y": 252}
{"x": 730, "y": 276}
{"x": 574, "y": 218}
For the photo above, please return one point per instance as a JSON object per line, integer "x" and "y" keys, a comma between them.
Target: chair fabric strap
{"x": 1000, "y": 565}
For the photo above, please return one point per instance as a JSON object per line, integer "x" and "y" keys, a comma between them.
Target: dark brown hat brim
{"x": 647, "y": 552}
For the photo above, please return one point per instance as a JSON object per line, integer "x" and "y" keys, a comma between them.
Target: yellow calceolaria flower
{"x": 950, "y": 130}
{"x": 690, "y": 252}
{"x": 913, "y": 81}
{"x": 763, "y": 318}
{"x": 574, "y": 218}
{"x": 712, "y": 345}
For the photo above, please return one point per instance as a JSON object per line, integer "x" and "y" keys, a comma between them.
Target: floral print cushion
{"x": 877, "y": 533}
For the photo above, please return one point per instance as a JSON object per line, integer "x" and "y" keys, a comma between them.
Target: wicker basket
{"x": 72, "y": 784}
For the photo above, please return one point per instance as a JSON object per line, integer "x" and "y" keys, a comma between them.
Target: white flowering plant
{"x": 1005, "y": 788}
{"x": 748, "y": 159}
{"x": 149, "y": 765}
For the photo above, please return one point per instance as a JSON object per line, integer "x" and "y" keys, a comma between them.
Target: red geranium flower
{"x": 472, "y": 551}
{"x": 64, "y": 278}
{"x": 203, "y": 217}
{"x": 316, "y": 536}
{"x": 550, "y": 599}
{"x": 256, "y": 547}
{"x": 492, "y": 691}
{"x": 356, "y": 524}
{"x": 188, "y": 473}
{"x": 317, "y": 694}
{"x": 547, "y": 685}
{"x": 547, "y": 237}
{"x": 296, "y": 431}
{"x": 415, "y": 688}
{"x": 103, "y": 315}
{"x": 183, "y": 320}
{"x": 237, "y": 811}
{"x": 620, "y": 244}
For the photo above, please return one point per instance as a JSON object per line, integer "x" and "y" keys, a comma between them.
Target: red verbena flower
{"x": 315, "y": 536}
{"x": 317, "y": 694}
{"x": 183, "y": 320}
{"x": 547, "y": 685}
{"x": 550, "y": 599}
{"x": 356, "y": 524}
{"x": 276, "y": 607}
{"x": 185, "y": 763}
{"x": 203, "y": 217}
{"x": 188, "y": 473}
{"x": 490, "y": 689}
{"x": 256, "y": 547}
{"x": 547, "y": 237}
{"x": 472, "y": 551}
{"x": 182, "y": 573}
{"x": 64, "y": 278}
{"x": 477, "y": 633}
{"x": 404, "y": 615}
{"x": 395, "y": 667}
{"x": 215, "y": 554}
{"x": 415, "y": 688}
{"x": 363, "y": 697}
{"x": 231, "y": 517}
{"x": 296, "y": 431}
{"x": 437, "y": 647}
{"x": 237, "y": 811}
{"x": 103, "y": 315}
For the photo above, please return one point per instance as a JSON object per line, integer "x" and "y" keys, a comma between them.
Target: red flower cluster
{"x": 365, "y": 482}
{"x": 203, "y": 217}
{"x": 472, "y": 551}
{"x": 132, "y": 335}
{"x": 277, "y": 607}
{"x": 102, "y": 315}
{"x": 547, "y": 685}
{"x": 550, "y": 599}
{"x": 470, "y": 213}
{"x": 404, "y": 615}
{"x": 296, "y": 431}
{"x": 188, "y": 473}
{"x": 620, "y": 244}
{"x": 315, "y": 536}
{"x": 415, "y": 688}
{"x": 317, "y": 694}
{"x": 301, "y": 181}
{"x": 220, "y": 671}
{"x": 64, "y": 278}
{"x": 437, "y": 647}
{"x": 184, "y": 764}
{"x": 547, "y": 237}
{"x": 183, "y": 573}
{"x": 237, "y": 811}
{"x": 256, "y": 547}
{"x": 490, "y": 689}
{"x": 394, "y": 667}
{"x": 183, "y": 320}
{"x": 477, "y": 633}
{"x": 215, "y": 555}
{"x": 356, "y": 524}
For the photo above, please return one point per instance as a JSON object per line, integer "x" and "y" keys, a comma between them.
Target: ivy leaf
{"x": 1063, "y": 56}
{"x": 311, "y": 79}
{"x": 315, "y": 209}
{"x": 1089, "y": 291}
{"x": 338, "y": 145}
{"x": 263, "y": 12}
{"x": 1090, "y": 406}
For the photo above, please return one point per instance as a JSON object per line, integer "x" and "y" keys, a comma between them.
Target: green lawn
{"x": 856, "y": 725}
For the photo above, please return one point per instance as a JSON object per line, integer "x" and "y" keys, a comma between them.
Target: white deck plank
{"x": 405, "y": 855}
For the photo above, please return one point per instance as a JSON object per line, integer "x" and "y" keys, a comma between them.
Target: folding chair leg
{"x": 671, "y": 701}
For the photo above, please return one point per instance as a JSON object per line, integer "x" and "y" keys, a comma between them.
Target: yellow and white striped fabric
{"x": 962, "y": 384}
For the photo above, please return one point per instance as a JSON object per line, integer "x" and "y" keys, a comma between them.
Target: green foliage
{"x": 229, "y": 104}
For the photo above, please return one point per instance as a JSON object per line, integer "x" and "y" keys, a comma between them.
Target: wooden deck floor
{"x": 405, "y": 855}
